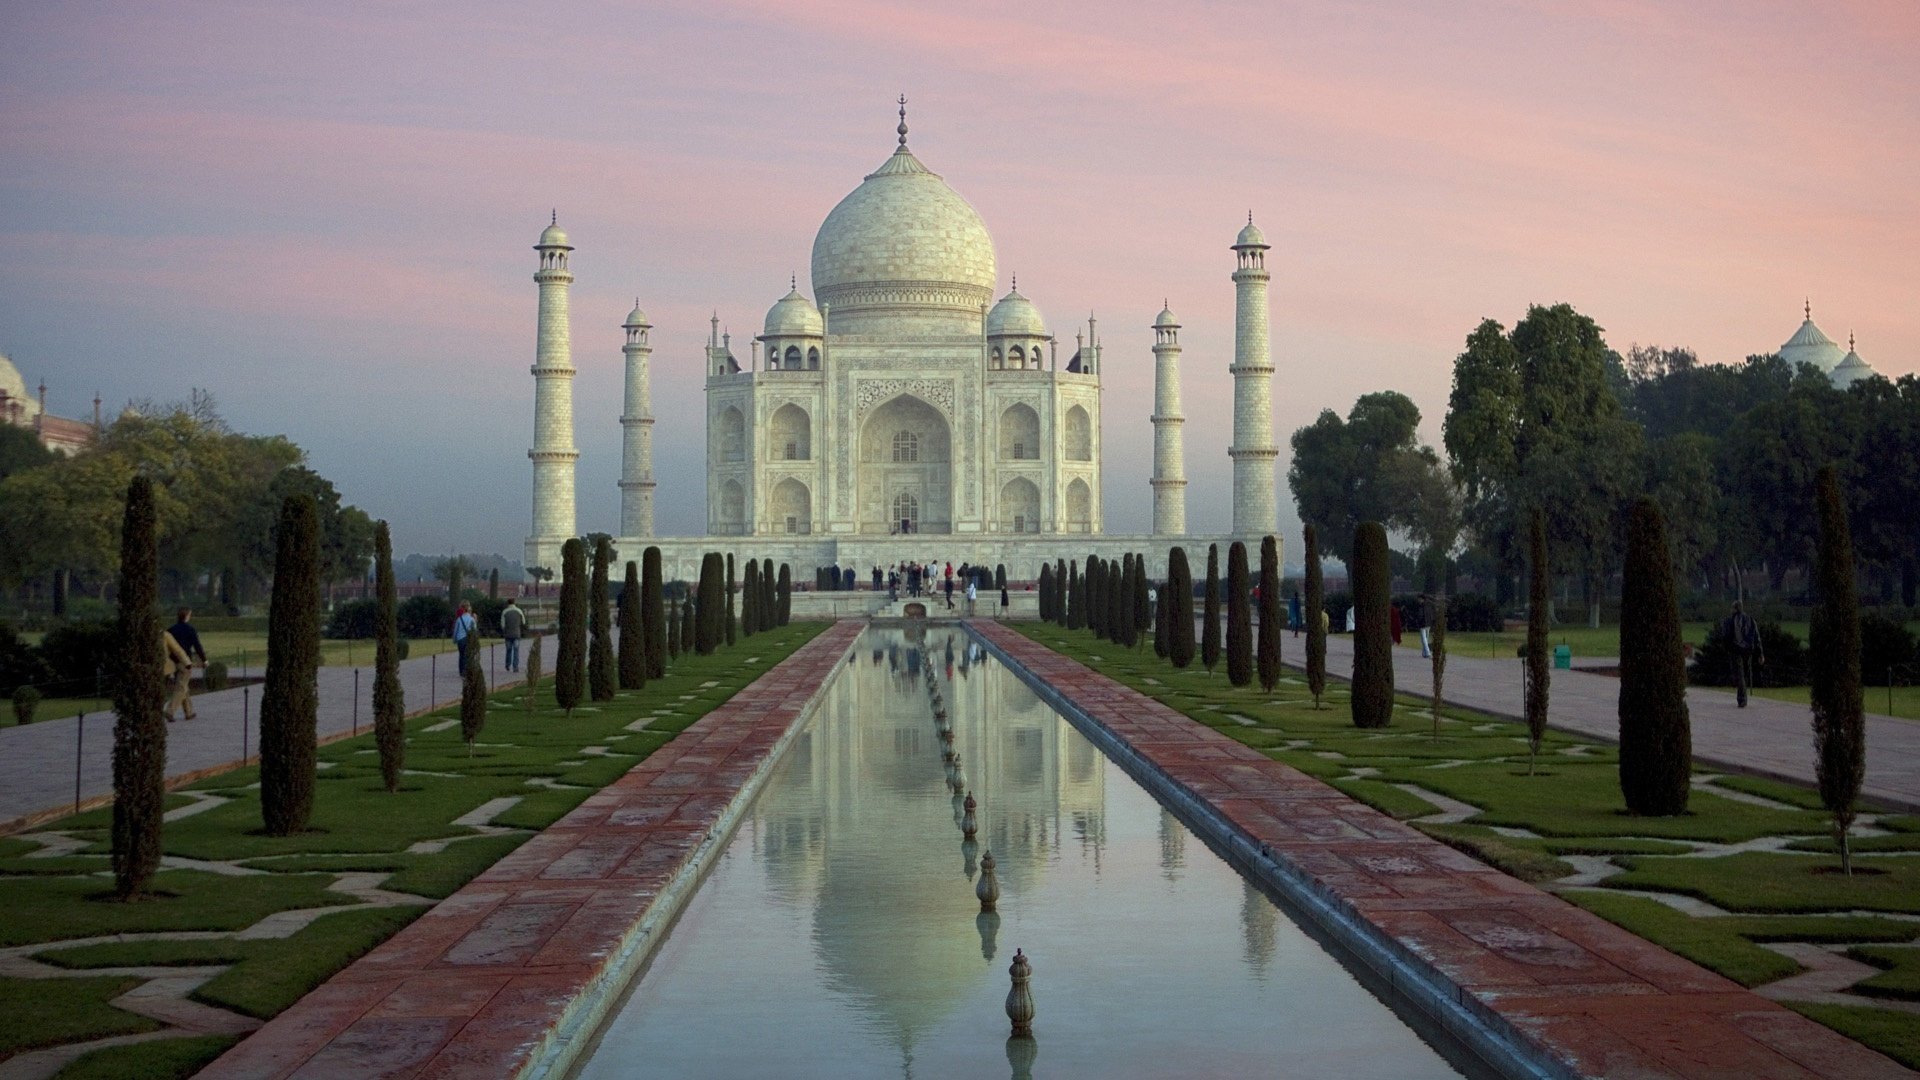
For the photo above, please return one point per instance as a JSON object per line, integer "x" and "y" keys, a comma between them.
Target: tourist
{"x": 512, "y": 622}
{"x": 949, "y": 587}
{"x": 463, "y": 634}
{"x": 189, "y": 641}
{"x": 1742, "y": 637}
{"x": 1394, "y": 623}
{"x": 178, "y": 668}
{"x": 1294, "y": 618}
{"x": 972, "y": 592}
{"x": 1006, "y": 604}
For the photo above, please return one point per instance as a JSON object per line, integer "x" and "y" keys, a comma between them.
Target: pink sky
{"x": 325, "y": 215}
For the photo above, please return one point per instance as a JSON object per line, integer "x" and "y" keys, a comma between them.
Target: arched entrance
{"x": 906, "y": 462}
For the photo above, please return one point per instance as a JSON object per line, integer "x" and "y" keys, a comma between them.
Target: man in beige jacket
{"x": 179, "y": 672}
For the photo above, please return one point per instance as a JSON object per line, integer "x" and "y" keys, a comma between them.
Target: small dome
{"x": 1850, "y": 370}
{"x": 1015, "y": 315}
{"x": 794, "y": 315}
{"x": 636, "y": 317}
{"x": 1809, "y": 346}
{"x": 1251, "y": 236}
{"x": 1165, "y": 320}
{"x": 11, "y": 383}
{"x": 553, "y": 236}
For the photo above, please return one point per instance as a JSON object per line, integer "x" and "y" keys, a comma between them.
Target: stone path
{"x": 1578, "y": 989}
{"x": 1771, "y": 738}
{"x": 479, "y": 985}
{"x": 37, "y": 762}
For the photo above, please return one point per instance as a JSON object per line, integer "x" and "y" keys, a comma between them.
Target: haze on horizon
{"x": 325, "y": 216}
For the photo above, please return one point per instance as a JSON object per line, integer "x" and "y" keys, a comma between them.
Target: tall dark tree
{"x": 290, "y": 700}
{"x": 707, "y": 630}
{"x": 570, "y": 662}
{"x": 784, "y": 597}
{"x": 1179, "y": 595}
{"x": 689, "y": 621}
{"x": 1437, "y": 640}
{"x": 1210, "y": 612}
{"x": 633, "y": 638}
{"x": 1372, "y": 690}
{"x": 1839, "y": 721}
{"x": 769, "y": 595}
{"x": 1142, "y": 602}
{"x": 653, "y": 614}
{"x": 730, "y": 628}
{"x": 1316, "y": 601}
{"x": 602, "y": 677}
{"x": 1120, "y": 604}
{"x": 473, "y": 704}
{"x": 1046, "y": 592}
{"x": 1096, "y": 604}
{"x": 1162, "y": 632}
{"x": 1062, "y": 595}
{"x": 389, "y": 698}
{"x": 139, "y": 729}
{"x": 750, "y": 600}
{"x": 534, "y": 670}
{"x": 493, "y": 584}
{"x": 1539, "y": 600}
{"x": 673, "y": 629}
{"x": 1269, "y": 651}
{"x": 1656, "y": 744}
{"x": 1076, "y": 597}
{"x": 1239, "y": 617}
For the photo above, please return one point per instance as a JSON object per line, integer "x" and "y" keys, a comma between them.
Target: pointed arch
{"x": 730, "y": 435}
{"x": 1079, "y": 435}
{"x": 1079, "y": 506}
{"x": 1019, "y": 433}
{"x": 1019, "y": 506}
{"x": 733, "y": 507}
{"x": 791, "y": 431}
{"x": 792, "y": 508}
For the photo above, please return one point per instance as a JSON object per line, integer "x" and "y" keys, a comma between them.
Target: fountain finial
{"x": 968, "y": 824}
{"x": 987, "y": 889}
{"x": 1020, "y": 998}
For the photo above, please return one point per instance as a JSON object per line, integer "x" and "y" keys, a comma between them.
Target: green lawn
{"x": 358, "y": 826}
{"x": 1901, "y": 701}
{"x": 1532, "y": 825}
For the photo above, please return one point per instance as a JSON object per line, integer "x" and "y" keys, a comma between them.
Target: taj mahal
{"x": 903, "y": 411}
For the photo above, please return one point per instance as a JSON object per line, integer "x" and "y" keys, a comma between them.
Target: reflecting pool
{"x": 839, "y": 934}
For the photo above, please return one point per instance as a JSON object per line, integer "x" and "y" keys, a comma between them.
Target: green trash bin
{"x": 1563, "y": 657}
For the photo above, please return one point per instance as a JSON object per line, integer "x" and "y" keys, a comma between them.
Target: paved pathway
{"x": 1566, "y": 985}
{"x": 37, "y": 762}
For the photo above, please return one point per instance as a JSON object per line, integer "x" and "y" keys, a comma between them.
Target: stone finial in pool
{"x": 988, "y": 924}
{"x": 1020, "y": 998}
{"x": 988, "y": 887}
{"x": 969, "y": 862}
{"x": 968, "y": 823}
{"x": 959, "y": 781}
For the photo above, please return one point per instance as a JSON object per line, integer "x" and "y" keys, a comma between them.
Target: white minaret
{"x": 553, "y": 452}
{"x": 1169, "y": 454}
{"x": 1253, "y": 452}
{"x": 636, "y": 424}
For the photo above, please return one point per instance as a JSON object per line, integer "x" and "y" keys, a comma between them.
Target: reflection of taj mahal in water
{"x": 906, "y": 400}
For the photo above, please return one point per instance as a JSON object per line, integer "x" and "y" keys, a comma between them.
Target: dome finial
{"x": 555, "y": 219}
{"x": 1016, "y": 282}
{"x": 902, "y": 129}
{"x": 1249, "y": 217}
{"x": 793, "y": 281}
{"x": 1809, "y": 307}
{"x": 1850, "y": 347}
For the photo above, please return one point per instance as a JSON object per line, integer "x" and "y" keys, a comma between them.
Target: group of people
{"x": 466, "y": 633}
{"x": 928, "y": 579}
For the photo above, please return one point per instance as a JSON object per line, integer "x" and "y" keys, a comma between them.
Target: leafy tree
{"x": 1210, "y": 612}
{"x": 1239, "y": 617}
{"x": 473, "y": 704}
{"x": 1315, "y": 603}
{"x": 1372, "y": 691}
{"x": 570, "y": 665}
{"x": 139, "y": 732}
{"x": 1346, "y": 472}
{"x": 1179, "y": 599}
{"x": 602, "y": 678}
{"x": 454, "y": 570}
{"x": 785, "y": 596}
{"x": 1839, "y": 721}
{"x": 1656, "y": 742}
{"x": 633, "y": 642}
{"x": 1437, "y": 641}
{"x": 1538, "y": 596}
{"x": 290, "y": 701}
{"x": 20, "y": 450}
{"x": 750, "y": 600}
{"x": 1269, "y": 651}
{"x": 389, "y": 698}
{"x": 653, "y": 616}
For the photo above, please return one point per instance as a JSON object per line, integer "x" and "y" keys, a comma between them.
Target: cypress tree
{"x": 673, "y": 629}
{"x": 473, "y": 704}
{"x": 1372, "y": 691}
{"x": 289, "y": 701}
{"x": 1060, "y": 595}
{"x": 784, "y": 597}
{"x": 769, "y": 596}
{"x": 1000, "y": 576}
{"x": 731, "y": 630}
{"x": 653, "y": 613}
{"x": 1120, "y": 603}
{"x": 1239, "y": 617}
{"x": 1210, "y": 612}
{"x": 389, "y": 699}
{"x": 1179, "y": 593}
{"x": 1316, "y": 629}
{"x": 750, "y": 600}
{"x": 1076, "y": 597}
{"x": 1142, "y": 606}
{"x": 493, "y": 584}
{"x": 1839, "y": 722}
{"x": 601, "y": 675}
{"x": 533, "y": 670}
{"x": 706, "y": 628}
{"x": 139, "y": 729}
{"x": 633, "y": 641}
{"x": 1162, "y": 632}
{"x": 1046, "y": 592}
{"x": 1656, "y": 746}
{"x": 1538, "y": 600}
{"x": 689, "y": 617}
{"x": 1096, "y": 606}
{"x": 1269, "y": 651}
{"x": 570, "y": 663}
{"x": 456, "y": 579}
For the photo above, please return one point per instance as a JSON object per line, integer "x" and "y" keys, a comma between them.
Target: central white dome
{"x": 903, "y": 253}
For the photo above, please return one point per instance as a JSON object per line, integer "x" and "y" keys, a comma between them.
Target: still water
{"x": 839, "y": 934}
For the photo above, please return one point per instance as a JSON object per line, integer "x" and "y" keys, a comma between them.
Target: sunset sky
{"x": 324, "y": 213}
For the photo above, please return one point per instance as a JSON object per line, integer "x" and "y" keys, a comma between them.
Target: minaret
{"x": 553, "y": 452}
{"x": 1169, "y": 456}
{"x": 636, "y": 423}
{"x": 1253, "y": 452}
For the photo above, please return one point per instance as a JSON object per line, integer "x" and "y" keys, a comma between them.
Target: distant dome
{"x": 11, "y": 383}
{"x": 794, "y": 315}
{"x": 1165, "y": 320}
{"x": 636, "y": 317}
{"x": 902, "y": 253}
{"x": 1015, "y": 315}
{"x": 1251, "y": 236}
{"x": 1850, "y": 370}
{"x": 553, "y": 236}
{"x": 1809, "y": 346}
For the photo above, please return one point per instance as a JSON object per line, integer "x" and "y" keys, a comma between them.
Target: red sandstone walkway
{"x": 1593, "y": 995}
{"x": 475, "y": 986}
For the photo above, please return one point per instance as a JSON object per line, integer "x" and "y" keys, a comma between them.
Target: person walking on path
{"x": 1005, "y": 602}
{"x": 513, "y": 622}
{"x": 464, "y": 637}
{"x": 179, "y": 672}
{"x": 949, "y": 592}
{"x": 1294, "y": 619}
{"x": 973, "y": 592}
{"x": 188, "y": 639}
{"x": 1742, "y": 637}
